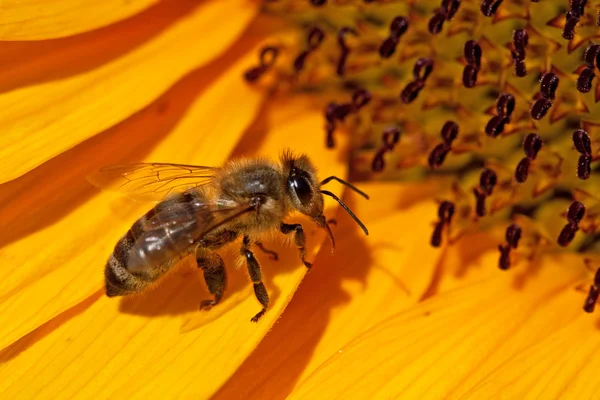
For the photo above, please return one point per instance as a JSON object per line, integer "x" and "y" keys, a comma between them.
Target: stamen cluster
{"x": 403, "y": 79}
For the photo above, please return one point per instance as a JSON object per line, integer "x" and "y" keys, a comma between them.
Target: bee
{"x": 202, "y": 209}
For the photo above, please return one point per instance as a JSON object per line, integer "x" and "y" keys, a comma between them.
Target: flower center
{"x": 494, "y": 99}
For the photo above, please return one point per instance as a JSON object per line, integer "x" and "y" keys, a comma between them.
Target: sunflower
{"x": 473, "y": 126}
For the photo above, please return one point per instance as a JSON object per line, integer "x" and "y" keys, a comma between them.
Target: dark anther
{"x": 436, "y": 23}
{"x": 411, "y": 91}
{"x": 598, "y": 18}
{"x": 548, "y": 85}
{"x": 315, "y": 38}
{"x": 575, "y": 212}
{"x": 569, "y": 29}
{"x": 390, "y": 137}
{"x": 532, "y": 145}
{"x": 329, "y": 141}
{"x": 520, "y": 41}
{"x": 360, "y": 98}
{"x": 422, "y": 69}
{"x": 330, "y": 116}
{"x": 522, "y": 170}
{"x": 584, "y": 81}
{"x": 582, "y": 142}
{"x": 436, "y": 237}
{"x": 578, "y": 8}
{"x": 449, "y": 132}
{"x": 590, "y": 53}
{"x": 472, "y": 53}
{"x": 504, "y": 261}
{"x": 495, "y": 126}
{"x": 388, "y": 47}
{"x": 446, "y": 211}
{"x": 505, "y": 105}
{"x": 449, "y": 8}
{"x": 520, "y": 67}
{"x": 540, "y": 108}
{"x": 438, "y": 154}
{"x": 398, "y": 26}
{"x": 378, "y": 162}
{"x": 489, "y": 7}
{"x": 591, "y": 299}
{"x": 584, "y": 169}
{"x": 487, "y": 181}
{"x": 479, "y": 202}
{"x": 267, "y": 58}
{"x": 567, "y": 234}
{"x": 318, "y": 2}
{"x": 469, "y": 77}
{"x": 513, "y": 235}
{"x": 341, "y": 36}
{"x": 342, "y": 110}
{"x": 330, "y": 112}
{"x": 597, "y": 278}
{"x": 300, "y": 60}
{"x": 344, "y": 48}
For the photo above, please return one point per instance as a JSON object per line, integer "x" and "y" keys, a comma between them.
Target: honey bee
{"x": 201, "y": 209}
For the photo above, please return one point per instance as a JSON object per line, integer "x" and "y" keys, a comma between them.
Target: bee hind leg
{"x": 213, "y": 267}
{"x": 256, "y": 275}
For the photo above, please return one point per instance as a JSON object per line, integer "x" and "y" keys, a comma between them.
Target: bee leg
{"x": 272, "y": 254}
{"x": 299, "y": 238}
{"x": 254, "y": 271}
{"x": 214, "y": 275}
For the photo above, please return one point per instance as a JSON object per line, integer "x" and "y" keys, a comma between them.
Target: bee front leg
{"x": 255, "y": 274}
{"x": 299, "y": 238}
{"x": 214, "y": 275}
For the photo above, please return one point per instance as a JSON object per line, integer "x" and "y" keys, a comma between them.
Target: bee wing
{"x": 176, "y": 229}
{"x": 207, "y": 216}
{"x": 151, "y": 181}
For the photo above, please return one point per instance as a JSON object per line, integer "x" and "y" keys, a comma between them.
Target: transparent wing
{"x": 151, "y": 181}
{"x": 176, "y": 229}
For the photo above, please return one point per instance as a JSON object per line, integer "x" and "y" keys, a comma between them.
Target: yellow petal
{"x": 562, "y": 365}
{"x": 159, "y": 345}
{"x": 38, "y": 19}
{"x": 368, "y": 280}
{"x": 62, "y": 234}
{"x": 40, "y": 121}
{"x": 431, "y": 349}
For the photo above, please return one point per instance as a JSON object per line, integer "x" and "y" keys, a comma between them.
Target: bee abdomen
{"x": 130, "y": 269}
{"x": 118, "y": 279}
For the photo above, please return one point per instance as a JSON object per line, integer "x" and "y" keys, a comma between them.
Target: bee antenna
{"x": 345, "y": 207}
{"x": 345, "y": 183}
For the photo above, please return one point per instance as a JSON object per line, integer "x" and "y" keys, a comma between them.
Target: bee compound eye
{"x": 302, "y": 188}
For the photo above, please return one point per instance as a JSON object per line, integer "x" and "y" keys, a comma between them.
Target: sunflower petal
{"x": 37, "y": 19}
{"x": 137, "y": 347}
{"x": 368, "y": 280}
{"x": 562, "y": 364}
{"x": 43, "y": 120}
{"x": 431, "y": 349}
{"x": 62, "y": 233}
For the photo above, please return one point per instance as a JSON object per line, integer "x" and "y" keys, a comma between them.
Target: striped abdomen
{"x": 155, "y": 242}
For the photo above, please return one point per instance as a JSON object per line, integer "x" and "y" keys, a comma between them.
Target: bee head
{"x": 302, "y": 185}
{"x": 305, "y": 191}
